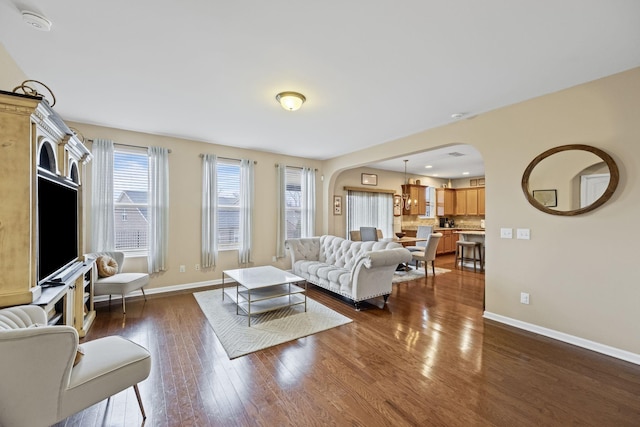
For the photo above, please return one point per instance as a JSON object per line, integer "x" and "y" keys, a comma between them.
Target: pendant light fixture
{"x": 291, "y": 101}
{"x": 406, "y": 197}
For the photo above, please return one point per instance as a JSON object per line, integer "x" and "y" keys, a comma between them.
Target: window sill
{"x": 135, "y": 254}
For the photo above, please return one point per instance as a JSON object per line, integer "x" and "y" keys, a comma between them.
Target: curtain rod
{"x": 295, "y": 167}
{"x": 124, "y": 145}
{"x": 255, "y": 162}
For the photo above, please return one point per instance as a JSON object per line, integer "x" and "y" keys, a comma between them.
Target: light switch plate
{"x": 506, "y": 233}
{"x": 523, "y": 234}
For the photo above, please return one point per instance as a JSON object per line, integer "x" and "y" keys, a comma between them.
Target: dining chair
{"x": 429, "y": 253}
{"x": 368, "y": 234}
{"x": 423, "y": 232}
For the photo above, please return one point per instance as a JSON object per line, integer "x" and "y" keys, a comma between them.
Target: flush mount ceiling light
{"x": 36, "y": 21}
{"x": 291, "y": 101}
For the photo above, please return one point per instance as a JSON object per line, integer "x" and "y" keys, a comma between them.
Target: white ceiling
{"x": 372, "y": 70}
{"x": 455, "y": 161}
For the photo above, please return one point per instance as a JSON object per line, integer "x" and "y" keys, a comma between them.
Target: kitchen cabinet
{"x": 469, "y": 201}
{"x": 447, "y": 243}
{"x": 472, "y": 201}
{"x": 481, "y": 201}
{"x": 418, "y": 196}
{"x": 461, "y": 202}
{"x": 445, "y": 202}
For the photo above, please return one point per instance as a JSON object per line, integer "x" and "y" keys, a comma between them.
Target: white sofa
{"x": 356, "y": 270}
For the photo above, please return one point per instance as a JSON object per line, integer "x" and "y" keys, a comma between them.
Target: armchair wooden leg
{"x": 135, "y": 387}
{"x": 143, "y": 294}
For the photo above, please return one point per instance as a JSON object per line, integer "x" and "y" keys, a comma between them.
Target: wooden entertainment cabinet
{"x": 33, "y": 137}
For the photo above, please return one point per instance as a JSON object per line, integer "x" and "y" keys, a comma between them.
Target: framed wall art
{"x": 548, "y": 198}
{"x": 369, "y": 179}
{"x": 337, "y": 205}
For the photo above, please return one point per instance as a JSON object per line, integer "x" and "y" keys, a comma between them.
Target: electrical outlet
{"x": 197, "y": 267}
{"x": 274, "y": 259}
{"x": 523, "y": 234}
{"x": 506, "y": 233}
{"x": 183, "y": 269}
{"x": 524, "y": 298}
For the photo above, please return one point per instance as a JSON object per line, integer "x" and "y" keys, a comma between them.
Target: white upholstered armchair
{"x": 39, "y": 384}
{"x": 120, "y": 283}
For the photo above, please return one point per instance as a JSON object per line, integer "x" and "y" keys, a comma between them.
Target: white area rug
{"x": 405, "y": 276}
{"x": 267, "y": 329}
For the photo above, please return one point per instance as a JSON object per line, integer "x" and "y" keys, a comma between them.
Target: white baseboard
{"x": 164, "y": 289}
{"x": 570, "y": 339}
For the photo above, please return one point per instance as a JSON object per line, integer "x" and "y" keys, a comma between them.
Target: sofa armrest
{"x": 386, "y": 257}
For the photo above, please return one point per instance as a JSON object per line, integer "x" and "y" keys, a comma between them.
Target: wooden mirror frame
{"x": 611, "y": 188}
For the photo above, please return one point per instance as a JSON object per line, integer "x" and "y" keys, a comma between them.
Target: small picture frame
{"x": 481, "y": 182}
{"x": 369, "y": 179}
{"x": 473, "y": 182}
{"x": 337, "y": 205}
{"x": 547, "y": 198}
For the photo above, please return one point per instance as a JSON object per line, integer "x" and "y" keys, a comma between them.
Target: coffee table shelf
{"x": 264, "y": 303}
{"x": 262, "y": 289}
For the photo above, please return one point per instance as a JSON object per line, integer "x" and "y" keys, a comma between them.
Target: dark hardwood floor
{"x": 427, "y": 359}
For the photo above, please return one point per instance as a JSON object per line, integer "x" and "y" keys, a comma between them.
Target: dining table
{"x": 404, "y": 239}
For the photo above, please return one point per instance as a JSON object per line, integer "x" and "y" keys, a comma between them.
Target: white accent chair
{"x": 120, "y": 283}
{"x": 429, "y": 253}
{"x": 39, "y": 384}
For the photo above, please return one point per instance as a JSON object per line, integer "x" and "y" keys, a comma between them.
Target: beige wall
{"x": 580, "y": 271}
{"x": 10, "y": 74}
{"x": 185, "y": 184}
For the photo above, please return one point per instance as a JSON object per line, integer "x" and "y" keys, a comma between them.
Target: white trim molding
{"x": 570, "y": 339}
{"x": 166, "y": 289}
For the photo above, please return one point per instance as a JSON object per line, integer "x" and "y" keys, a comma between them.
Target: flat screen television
{"x": 57, "y": 226}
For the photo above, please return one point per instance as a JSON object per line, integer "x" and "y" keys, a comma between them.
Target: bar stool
{"x": 475, "y": 247}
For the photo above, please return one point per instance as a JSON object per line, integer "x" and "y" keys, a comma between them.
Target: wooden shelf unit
{"x": 32, "y": 134}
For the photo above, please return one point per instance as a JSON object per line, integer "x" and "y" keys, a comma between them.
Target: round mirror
{"x": 570, "y": 180}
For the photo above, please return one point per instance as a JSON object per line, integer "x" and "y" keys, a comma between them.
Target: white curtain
{"x": 308, "y": 202}
{"x": 281, "y": 223}
{"x": 209, "y": 238}
{"x": 102, "y": 219}
{"x": 365, "y": 209}
{"x": 158, "y": 209}
{"x": 246, "y": 211}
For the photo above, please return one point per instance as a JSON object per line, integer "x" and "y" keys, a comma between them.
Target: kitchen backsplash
{"x": 412, "y": 222}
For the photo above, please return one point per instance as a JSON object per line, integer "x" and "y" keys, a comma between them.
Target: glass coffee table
{"x": 261, "y": 289}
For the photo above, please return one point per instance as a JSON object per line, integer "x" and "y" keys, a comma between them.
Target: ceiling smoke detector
{"x": 36, "y": 21}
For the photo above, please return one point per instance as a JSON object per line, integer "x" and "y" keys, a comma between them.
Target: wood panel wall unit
{"x": 27, "y": 124}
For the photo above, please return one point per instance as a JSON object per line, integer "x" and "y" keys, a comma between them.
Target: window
{"x": 368, "y": 209}
{"x": 131, "y": 195}
{"x": 293, "y": 202}
{"x": 228, "y": 178}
